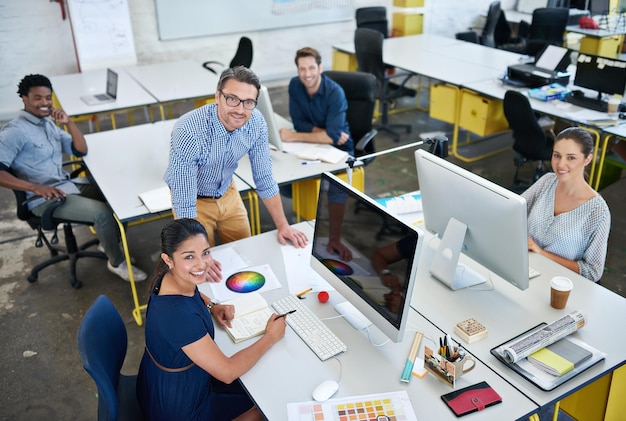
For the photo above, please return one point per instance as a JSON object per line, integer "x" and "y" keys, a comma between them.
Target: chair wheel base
{"x": 32, "y": 278}
{"x": 76, "y": 284}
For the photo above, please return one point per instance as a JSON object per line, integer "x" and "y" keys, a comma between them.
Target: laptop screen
{"x": 111, "y": 83}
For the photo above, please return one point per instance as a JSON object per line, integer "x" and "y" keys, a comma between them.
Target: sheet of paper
{"x": 300, "y": 274}
{"x": 231, "y": 262}
{"x": 243, "y": 280}
{"x": 385, "y": 406}
{"x": 157, "y": 200}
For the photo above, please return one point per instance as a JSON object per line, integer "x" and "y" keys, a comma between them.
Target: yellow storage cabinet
{"x": 606, "y": 46}
{"x": 406, "y": 23}
{"x": 306, "y": 192}
{"x": 444, "y": 100}
{"x": 481, "y": 115}
{"x": 343, "y": 61}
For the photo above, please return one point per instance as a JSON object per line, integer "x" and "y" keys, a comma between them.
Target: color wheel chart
{"x": 245, "y": 281}
{"x": 394, "y": 406}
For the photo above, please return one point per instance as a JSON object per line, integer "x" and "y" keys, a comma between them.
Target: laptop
{"x": 108, "y": 96}
{"x": 274, "y": 121}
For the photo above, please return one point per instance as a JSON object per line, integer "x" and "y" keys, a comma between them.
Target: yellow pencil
{"x": 306, "y": 291}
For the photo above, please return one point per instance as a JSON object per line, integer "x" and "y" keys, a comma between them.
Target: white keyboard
{"x": 533, "y": 273}
{"x": 322, "y": 341}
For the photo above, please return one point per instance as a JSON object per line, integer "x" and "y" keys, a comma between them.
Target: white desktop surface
{"x": 428, "y": 55}
{"x": 290, "y": 371}
{"x": 174, "y": 81}
{"x": 507, "y": 312}
{"x": 129, "y": 161}
{"x": 69, "y": 89}
{"x": 494, "y": 58}
{"x": 287, "y": 168}
{"x": 420, "y": 42}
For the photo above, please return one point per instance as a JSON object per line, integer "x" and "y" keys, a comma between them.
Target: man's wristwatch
{"x": 211, "y": 304}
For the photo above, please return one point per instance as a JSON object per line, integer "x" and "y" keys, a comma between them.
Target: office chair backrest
{"x": 368, "y": 45}
{"x": 373, "y": 18}
{"x": 360, "y": 90}
{"x": 493, "y": 15}
{"x": 547, "y": 27}
{"x": 502, "y": 34}
{"x": 102, "y": 342}
{"x": 243, "y": 56}
{"x": 530, "y": 139}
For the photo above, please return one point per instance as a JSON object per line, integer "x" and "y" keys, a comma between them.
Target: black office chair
{"x": 102, "y": 342}
{"x": 532, "y": 142}
{"x": 546, "y": 28}
{"x": 368, "y": 45}
{"x": 360, "y": 90}
{"x": 47, "y": 222}
{"x": 496, "y": 32}
{"x": 373, "y": 18}
{"x": 243, "y": 57}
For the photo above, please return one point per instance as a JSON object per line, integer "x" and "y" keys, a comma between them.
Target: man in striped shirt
{"x": 207, "y": 144}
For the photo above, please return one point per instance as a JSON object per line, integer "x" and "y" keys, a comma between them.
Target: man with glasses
{"x": 206, "y": 146}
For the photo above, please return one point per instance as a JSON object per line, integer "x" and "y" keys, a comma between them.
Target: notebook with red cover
{"x": 471, "y": 399}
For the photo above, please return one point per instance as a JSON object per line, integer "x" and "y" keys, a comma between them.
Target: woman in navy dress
{"x": 183, "y": 374}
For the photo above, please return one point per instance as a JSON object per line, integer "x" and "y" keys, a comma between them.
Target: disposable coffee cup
{"x": 560, "y": 288}
{"x": 612, "y": 106}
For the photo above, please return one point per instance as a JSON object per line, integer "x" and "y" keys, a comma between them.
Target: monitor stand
{"x": 445, "y": 265}
{"x": 352, "y": 315}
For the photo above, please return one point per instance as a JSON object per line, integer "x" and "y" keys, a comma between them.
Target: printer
{"x": 549, "y": 67}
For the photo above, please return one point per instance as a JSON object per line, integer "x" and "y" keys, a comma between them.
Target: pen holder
{"x": 447, "y": 371}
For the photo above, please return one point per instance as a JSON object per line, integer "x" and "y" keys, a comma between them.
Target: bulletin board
{"x": 177, "y": 19}
{"x": 102, "y": 32}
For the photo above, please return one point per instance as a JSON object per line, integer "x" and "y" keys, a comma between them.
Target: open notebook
{"x": 157, "y": 200}
{"x": 324, "y": 153}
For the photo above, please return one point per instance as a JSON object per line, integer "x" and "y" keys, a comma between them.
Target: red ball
{"x": 323, "y": 296}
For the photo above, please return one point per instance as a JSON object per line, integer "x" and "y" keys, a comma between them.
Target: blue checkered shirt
{"x": 204, "y": 156}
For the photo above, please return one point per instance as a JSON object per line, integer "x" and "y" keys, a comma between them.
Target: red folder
{"x": 471, "y": 399}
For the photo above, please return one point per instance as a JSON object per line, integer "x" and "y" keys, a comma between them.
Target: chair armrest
{"x": 47, "y": 218}
{"x": 207, "y": 65}
{"x": 365, "y": 140}
{"x": 82, "y": 167}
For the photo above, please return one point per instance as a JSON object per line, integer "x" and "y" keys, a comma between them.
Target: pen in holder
{"x": 448, "y": 371}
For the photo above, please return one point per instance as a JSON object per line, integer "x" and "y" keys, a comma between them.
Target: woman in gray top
{"x": 568, "y": 221}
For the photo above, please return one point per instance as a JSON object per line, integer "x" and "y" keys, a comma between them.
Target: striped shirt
{"x": 204, "y": 157}
{"x": 580, "y": 234}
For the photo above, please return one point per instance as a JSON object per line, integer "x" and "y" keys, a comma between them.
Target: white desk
{"x": 130, "y": 161}
{"x": 290, "y": 371}
{"x": 174, "y": 81}
{"x": 69, "y": 89}
{"x": 507, "y": 311}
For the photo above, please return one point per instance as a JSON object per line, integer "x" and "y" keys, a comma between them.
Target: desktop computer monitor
{"x": 264, "y": 105}
{"x": 378, "y": 278}
{"x": 602, "y": 74}
{"x": 471, "y": 214}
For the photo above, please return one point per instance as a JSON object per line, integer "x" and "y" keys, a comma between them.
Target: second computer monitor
{"x": 475, "y": 216}
{"x": 264, "y": 105}
{"x": 601, "y": 74}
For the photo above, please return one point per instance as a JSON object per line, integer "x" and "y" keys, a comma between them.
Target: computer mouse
{"x": 325, "y": 390}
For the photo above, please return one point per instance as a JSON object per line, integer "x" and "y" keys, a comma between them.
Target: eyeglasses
{"x": 231, "y": 101}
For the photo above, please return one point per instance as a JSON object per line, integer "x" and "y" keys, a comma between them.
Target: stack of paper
{"x": 560, "y": 357}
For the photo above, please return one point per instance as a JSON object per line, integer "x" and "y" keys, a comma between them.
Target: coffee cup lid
{"x": 561, "y": 283}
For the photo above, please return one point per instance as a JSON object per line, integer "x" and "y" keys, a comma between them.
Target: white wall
{"x": 34, "y": 39}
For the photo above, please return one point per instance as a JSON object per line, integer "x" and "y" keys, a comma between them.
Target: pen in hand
{"x": 284, "y": 314}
